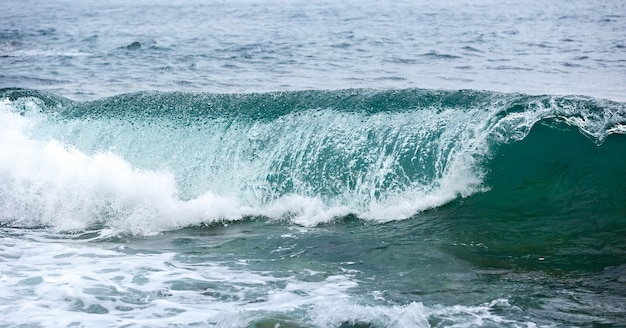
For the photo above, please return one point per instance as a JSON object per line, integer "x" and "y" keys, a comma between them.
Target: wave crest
{"x": 148, "y": 162}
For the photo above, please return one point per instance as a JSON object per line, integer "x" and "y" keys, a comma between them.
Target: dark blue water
{"x": 292, "y": 164}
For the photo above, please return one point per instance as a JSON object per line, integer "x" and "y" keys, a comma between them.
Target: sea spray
{"x": 148, "y": 162}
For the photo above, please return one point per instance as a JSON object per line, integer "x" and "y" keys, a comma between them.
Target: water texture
{"x": 88, "y": 50}
{"x": 312, "y": 164}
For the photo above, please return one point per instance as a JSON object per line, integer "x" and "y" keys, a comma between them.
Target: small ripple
{"x": 437, "y": 55}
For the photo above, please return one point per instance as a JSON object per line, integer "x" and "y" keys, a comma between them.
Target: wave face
{"x": 147, "y": 162}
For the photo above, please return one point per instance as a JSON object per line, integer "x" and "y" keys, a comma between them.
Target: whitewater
{"x": 312, "y": 164}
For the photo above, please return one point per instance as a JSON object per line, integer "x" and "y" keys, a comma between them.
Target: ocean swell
{"x": 147, "y": 162}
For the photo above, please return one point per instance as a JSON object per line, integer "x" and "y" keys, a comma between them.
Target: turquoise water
{"x": 264, "y": 164}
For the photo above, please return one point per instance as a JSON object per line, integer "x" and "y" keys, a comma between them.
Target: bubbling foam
{"x": 54, "y": 184}
{"x": 108, "y": 284}
{"x": 46, "y": 183}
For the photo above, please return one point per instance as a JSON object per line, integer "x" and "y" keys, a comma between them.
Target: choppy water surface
{"x": 94, "y": 49}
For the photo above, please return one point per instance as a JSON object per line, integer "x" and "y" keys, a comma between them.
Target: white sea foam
{"x": 61, "y": 283}
{"x": 50, "y": 183}
{"x": 47, "y": 183}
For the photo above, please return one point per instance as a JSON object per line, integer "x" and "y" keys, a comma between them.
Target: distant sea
{"x": 312, "y": 163}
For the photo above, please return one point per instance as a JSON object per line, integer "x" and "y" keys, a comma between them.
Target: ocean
{"x": 312, "y": 163}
